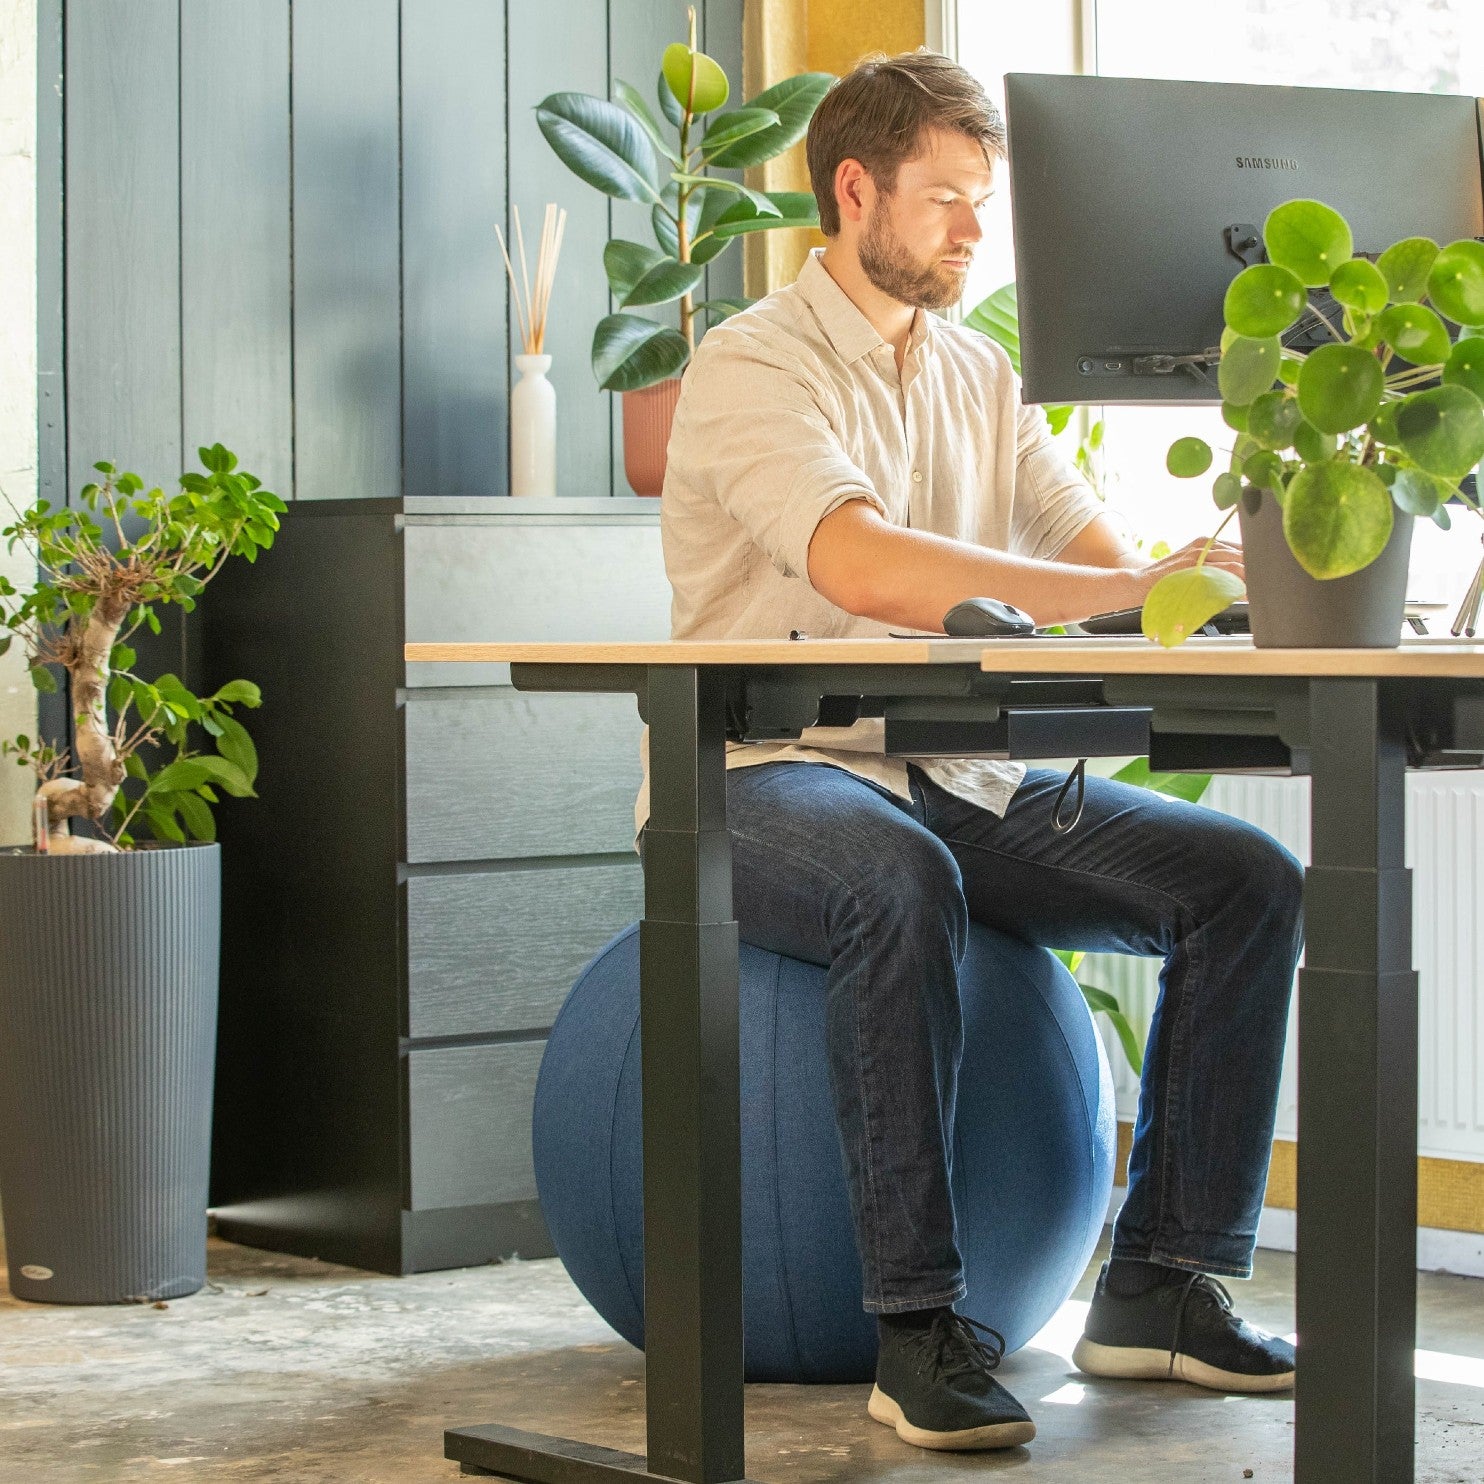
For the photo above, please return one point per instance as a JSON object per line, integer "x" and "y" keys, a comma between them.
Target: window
{"x": 1398, "y": 45}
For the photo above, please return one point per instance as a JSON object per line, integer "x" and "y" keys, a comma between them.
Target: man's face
{"x": 917, "y": 240}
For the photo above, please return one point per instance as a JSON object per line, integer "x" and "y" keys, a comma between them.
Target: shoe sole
{"x": 995, "y": 1435}
{"x": 1129, "y": 1363}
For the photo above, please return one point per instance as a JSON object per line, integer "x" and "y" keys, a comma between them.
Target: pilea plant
{"x": 1385, "y": 415}
{"x": 103, "y": 568}
{"x": 619, "y": 148}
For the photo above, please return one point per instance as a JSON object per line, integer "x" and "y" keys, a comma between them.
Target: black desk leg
{"x": 692, "y": 1137}
{"x": 1357, "y": 1153}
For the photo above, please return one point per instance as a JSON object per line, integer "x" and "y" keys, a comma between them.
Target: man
{"x": 845, "y": 465}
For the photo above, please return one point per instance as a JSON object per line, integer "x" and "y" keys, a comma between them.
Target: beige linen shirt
{"x": 794, "y": 406}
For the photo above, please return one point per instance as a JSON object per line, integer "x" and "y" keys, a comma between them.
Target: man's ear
{"x": 854, "y": 190}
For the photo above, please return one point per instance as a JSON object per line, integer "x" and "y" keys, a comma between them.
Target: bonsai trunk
{"x": 91, "y": 796}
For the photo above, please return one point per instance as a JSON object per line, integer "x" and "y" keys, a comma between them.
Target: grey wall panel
{"x": 51, "y": 410}
{"x": 556, "y": 46}
{"x": 723, "y": 40}
{"x": 502, "y": 775}
{"x": 498, "y": 950}
{"x": 347, "y": 275}
{"x": 122, "y": 223}
{"x": 469, "y": 1110}
{"x": 235, "y": 296}
{"x": 455, "y": 346}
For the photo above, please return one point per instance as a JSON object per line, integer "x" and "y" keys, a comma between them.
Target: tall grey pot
{"x": 108, "y": 997}
{"x": 1289, "y": 609}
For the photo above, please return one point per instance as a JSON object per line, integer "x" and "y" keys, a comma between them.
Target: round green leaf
{"x": 1466, "y": 366}
{"x": 1288, "y": 370}
{"x": 1340, "y": 387}
{"x": 1456, "y": 282}
{"x": 601, "y": 143}
{"x": 794, "y": 101}
{"x": 1234, "y": 417}
{"x": 1188, "y": 457}
{"x": 1308, "y": 238}
{"x": 1311, "y": 445}
{"x": 1386, "y": 473}
{"x": 1415, "y": 333}
{"x": 1382, "y": 426}
{"x": 1265, "y": 471}
{"x": 1359, "y": 285}
{"x": 1442, "y": 430}
{"x": 1337, "y": 518}
{"x": 1248, "y": 368}
{"x": 629, "y": 352}
{"x": 1226, "y": 491}
{"x": 1273, "y": 419}
{"x": 1405, "y": 266}
{"x": 1177, "y": 605}
{"x": 1418, "y": 492}
{"x": 694, "y": 78}
{"x": 1263, "y": 300}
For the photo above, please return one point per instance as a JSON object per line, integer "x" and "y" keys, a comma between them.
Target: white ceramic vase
{"x": 533, "y": 429}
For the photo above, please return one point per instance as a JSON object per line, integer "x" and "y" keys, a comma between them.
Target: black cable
{"x": 1078, "y": 775}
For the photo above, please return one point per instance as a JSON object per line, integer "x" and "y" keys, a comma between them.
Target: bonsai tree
{"x": 1384, "y": 415}
{"x": 97, "y": 584}
{"x": 619, "y": 148}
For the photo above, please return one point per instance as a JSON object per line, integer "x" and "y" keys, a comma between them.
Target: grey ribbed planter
{"x": 108, "y": 998}
{"x": 1289, "y": 609}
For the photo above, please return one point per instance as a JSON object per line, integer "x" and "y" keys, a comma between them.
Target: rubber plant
{"x": 104, "y": 567}
{"x": 1386, "y": 415}
{"x": 696, "y": 214}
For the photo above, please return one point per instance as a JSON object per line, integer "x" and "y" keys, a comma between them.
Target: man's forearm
{"x": 912, "y": 578}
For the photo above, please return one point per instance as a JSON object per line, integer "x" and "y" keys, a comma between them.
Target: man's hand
{"x": 864, "y": 564}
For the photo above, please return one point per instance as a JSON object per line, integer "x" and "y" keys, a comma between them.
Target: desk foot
{"x": 534, "y": 1458}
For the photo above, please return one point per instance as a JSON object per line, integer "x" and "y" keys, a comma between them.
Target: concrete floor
{"x": 297, "y": 1371}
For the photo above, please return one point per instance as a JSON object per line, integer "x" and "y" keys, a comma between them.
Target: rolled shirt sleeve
{"x": 1053, "y": 502}
{"x": 757, "y": 441}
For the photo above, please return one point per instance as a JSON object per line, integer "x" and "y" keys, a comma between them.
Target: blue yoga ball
{"x": 1032, "y": 1161}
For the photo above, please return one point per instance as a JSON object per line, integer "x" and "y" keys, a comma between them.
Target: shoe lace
{"x": 1211, "y": 1291}
{"x": 950, "y": 1347}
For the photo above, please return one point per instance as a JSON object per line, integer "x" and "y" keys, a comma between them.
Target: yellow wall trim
{"x": 1450, "y": 1192}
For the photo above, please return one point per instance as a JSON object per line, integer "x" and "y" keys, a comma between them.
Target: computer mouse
{"x": 987, "y": 618}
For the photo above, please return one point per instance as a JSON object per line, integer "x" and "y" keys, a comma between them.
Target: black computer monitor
{"x": 1137, "y": 201}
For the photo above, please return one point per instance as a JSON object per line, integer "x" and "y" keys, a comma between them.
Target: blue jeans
{"x": 834, "y": 870}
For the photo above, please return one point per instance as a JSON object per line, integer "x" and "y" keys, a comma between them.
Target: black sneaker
{"x": 1180, "y": 1329}
{"x": 933, "y": 1384}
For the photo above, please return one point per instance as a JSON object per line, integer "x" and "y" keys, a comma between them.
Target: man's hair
{"x": 878, "y": 112}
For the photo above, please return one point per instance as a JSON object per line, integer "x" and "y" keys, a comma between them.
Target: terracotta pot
{"x": 647, "y": 415}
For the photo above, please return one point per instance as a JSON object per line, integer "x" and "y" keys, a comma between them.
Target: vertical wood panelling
{"x": 557, "y": 46}
{"x": 637, "y": 40}
{"x": 347, "y": 250}
{"x": 123, "y": 232}
{"x": 236, "y": 316}
{"x": 455, "y": 346}
{"x": 51, "y": 443}
{"x": 723, "y": 40}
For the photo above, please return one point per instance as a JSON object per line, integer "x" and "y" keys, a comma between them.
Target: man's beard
{"x": 886, "y": 262}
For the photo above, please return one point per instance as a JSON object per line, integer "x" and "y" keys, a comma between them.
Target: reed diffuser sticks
{"x": 532, "y": 306}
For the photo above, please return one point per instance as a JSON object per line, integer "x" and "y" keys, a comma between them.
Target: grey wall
{"x": 270, "y": 222}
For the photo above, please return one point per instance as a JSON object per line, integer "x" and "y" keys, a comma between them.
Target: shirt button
{"x": 917, "y": 476}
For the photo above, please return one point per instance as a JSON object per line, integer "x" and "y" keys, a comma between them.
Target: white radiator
{"x": 1445, "y": 848}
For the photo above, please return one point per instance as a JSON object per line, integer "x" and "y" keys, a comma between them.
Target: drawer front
{"x": 498, "y": 950}
{"x": 554, "y": 578}
{"x": 501, "y": 775}
{"x": 469, "y": 1116}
